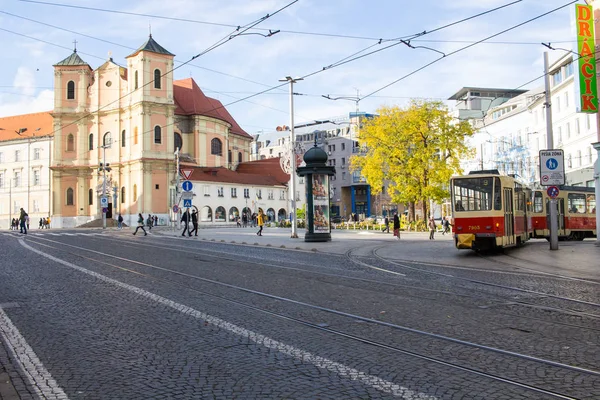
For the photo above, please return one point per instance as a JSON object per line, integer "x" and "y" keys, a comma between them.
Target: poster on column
{"x": 320, "y": 197}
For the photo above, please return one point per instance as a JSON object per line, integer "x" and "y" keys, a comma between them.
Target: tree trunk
{"x": 411, "y": 211}
{"x": 424, "y": 209}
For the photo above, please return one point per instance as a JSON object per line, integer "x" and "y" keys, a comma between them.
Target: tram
{"x": 490, "y": 211}
{"x": 576, "y": 213}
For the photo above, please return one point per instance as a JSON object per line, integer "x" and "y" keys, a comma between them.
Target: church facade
{"x": 132, "y": 119}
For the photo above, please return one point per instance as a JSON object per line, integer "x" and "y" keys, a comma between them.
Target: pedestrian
{"x": 149, "y": 222}
{"x": 237, "y": 221}
{"x": 245, "y": 220}
{"x": 254, "y": 220}
{"x": 185, "y": 218}
{"x": 41, "y": 223}
{"x": 446, "y": 225}
{"x": 431, "y": 228}
{"x": 260, "y": 220}
{"x": 22, "y": 221}
{"x": 120, "y": 222}
{"x": 155, "y": 220}
{"x": 194, "y": 223}
{"x": 48, "y": 223}
{"x": 140, "y": 224}
{"x": 12, "y": 224}
{"x": 386, "y": 222}
{"x": 27, "y": 220}
{"x": 396, "y": 226}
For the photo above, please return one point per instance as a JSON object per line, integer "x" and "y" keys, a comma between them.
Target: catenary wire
{"x": 467, "y": 47}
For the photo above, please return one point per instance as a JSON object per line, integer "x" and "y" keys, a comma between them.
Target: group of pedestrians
{"x": 431, "y": 225}
{"x": 21, "y": 222}
{"x": 188, "y": 217}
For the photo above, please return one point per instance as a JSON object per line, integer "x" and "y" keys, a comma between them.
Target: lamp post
{"x": 293, "y": 154}
{"x": 104, "y": 167}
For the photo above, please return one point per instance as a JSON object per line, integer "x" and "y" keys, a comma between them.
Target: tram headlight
{"x": 497, "y": 225}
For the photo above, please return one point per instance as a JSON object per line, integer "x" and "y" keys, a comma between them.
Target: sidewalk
{"x": 575, "y": 259}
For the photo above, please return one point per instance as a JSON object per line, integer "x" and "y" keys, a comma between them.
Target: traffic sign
{"x": 187, "y": 203}
{"x": 187, "y": 186}
{"x": 552, "y": 192}
{"x": 186, "y": 173}
{"x": 104, "y": 202}
{"x": 104, "y": 210}
{"x": 175, "y": 208}
{"x": 187, "y": 195}
{"x": 552, "y": 167}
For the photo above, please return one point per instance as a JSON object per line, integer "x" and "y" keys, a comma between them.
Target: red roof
{"x": 225, "y": 175}
{"x": 267, "y": 167}
{"x": 190, "y": 100}
{"x": 37, "y": 124}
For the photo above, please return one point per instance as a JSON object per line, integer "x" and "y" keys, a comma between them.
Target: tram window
{"x": 474, "y": 194}
{"x": 591, "y": 204}
{"x": 576, "y": 203}
{"x": 538, "y": 202}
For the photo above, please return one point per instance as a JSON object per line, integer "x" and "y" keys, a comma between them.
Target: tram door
{"x": 509, "y": 217}
{"x": 560, "y": 215}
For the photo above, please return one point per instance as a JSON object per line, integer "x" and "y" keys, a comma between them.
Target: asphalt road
{"x": 94, "y": 315}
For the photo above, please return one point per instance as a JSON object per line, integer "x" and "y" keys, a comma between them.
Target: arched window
{"x": 135, "y": 135}
{"x": 178, "y": 141}
{"x": 157, "y": 135}
{"x": 206, "y": 214}
{"x": 123, "y": 195}
{"x": 91, "y": 197}
{"x": 157, "y": 79}
{"x": 70, "y": 90}
{"x": 69, "y": 196}
{"x": 216, "y": 147}
{"x": 220, "y": 215}
{"x": 229, "y": 156}
{"x": 123, "y": 138}
{"x": 281, "y": 215}
{"x": 240, "y": 157}
{"x": 134, "y": 193}
{"x": 106, "y": 139}
{"x": 70, "y": 142}
{"x": 135, "y": 80}
{"x": 233, "y": 214}
{"x": 271, "y": 215}
{"x": 91, "y": 142}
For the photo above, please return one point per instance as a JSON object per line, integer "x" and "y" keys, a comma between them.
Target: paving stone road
{"x": 105, "y": 315}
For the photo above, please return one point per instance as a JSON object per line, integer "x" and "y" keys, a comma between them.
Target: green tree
{"x": 415, "y": 150}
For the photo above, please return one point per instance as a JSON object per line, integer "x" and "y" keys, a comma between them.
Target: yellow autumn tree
{"x": 413, "y": 150}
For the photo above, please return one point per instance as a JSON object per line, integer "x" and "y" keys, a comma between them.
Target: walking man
{"x": 23, "y": 221}
{"x": 185, "y": 218}
{"x": 260, "y": 219}
{"x": 140, "y": 224}
{"x": 194, "y": 223}
{"x": 431, "y": 228}
{"x": 396, "y": 226}
{"x": 386, "y": 222}
{"x": 120, "y": 222}
{"x": 446, "y": 226}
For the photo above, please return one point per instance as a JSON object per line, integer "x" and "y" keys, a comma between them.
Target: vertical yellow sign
{"x": 588, "y": 89}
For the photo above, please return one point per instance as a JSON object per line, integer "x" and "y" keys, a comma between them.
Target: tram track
{"x": 348, "y": 335}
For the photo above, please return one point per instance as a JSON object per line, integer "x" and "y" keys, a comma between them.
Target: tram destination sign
{"x": 552, "y": 167}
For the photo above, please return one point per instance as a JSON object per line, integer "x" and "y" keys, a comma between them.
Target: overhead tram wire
{"x": 123, "y": 46}
{"x": 467, "y": 47}
{"x": 239, "y": 30}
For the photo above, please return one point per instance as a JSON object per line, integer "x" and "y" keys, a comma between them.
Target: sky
{"x": 313, "y": 34}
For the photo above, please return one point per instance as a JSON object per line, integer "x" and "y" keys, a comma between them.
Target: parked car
{"x": 336, "y": 219}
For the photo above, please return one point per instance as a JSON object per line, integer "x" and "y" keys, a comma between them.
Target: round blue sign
{"x": 551, "y": 163}
{"x": 552, "y": 192}
{"x": 187, "y": 186}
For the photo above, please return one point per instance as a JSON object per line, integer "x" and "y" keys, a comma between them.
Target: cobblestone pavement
{"x": 104, "y": 315}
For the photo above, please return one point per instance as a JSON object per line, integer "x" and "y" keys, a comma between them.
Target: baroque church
{"x": 132, "y": 119}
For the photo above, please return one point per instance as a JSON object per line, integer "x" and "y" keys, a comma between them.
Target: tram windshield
{"x": 476, "y": 194}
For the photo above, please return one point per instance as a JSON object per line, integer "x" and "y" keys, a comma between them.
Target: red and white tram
{"x": 490, "y": 211}
{"x": 576, "y": 213}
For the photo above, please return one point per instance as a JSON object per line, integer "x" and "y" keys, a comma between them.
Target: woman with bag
{"x": 396, "y": 226}
{"x": 140, "y": 225}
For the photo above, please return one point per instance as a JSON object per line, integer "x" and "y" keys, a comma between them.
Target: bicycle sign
{"x": 552, "y": 167}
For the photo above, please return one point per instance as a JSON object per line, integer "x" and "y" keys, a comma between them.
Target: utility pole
{"x": 553, "y": 226}
{"x": 293, "y": 154}
{"x": 104, "y": 167}
{"x": 176, "y": 185}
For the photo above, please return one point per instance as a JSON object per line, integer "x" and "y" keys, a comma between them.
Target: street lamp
{"x": 293, "y": 155}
